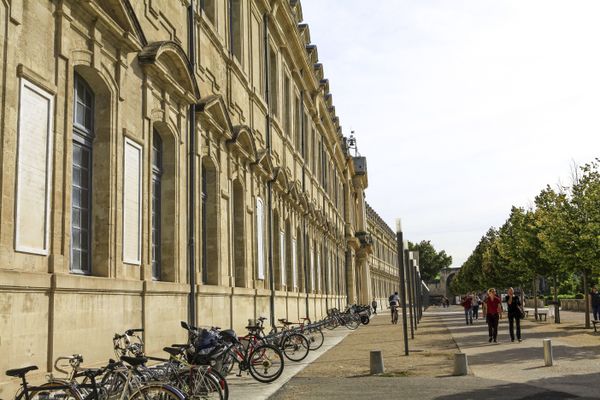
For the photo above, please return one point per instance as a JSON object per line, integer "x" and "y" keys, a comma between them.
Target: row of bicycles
{"x": 194, "y": 370}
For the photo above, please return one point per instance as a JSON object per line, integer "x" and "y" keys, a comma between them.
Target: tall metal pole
{"x": 415, "y": 292}
{"x": 409, "y": 288}
{"x": 400, "y": 249}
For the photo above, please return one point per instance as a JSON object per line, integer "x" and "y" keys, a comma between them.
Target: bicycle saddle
{"x": 254, "y": 328}
{"x": 282, "y": 320}
{"x": 92, "y": 372}
{"x": 134, "y": 361}
{"x": 20, "y": 372}
{"x": 174, "y": 351}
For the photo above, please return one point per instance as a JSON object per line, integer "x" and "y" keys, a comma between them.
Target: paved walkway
{"x": 503, "y": 371}
{"x": 245, "y": 387}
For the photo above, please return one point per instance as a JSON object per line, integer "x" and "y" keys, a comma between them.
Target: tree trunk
{"x": 586, "y": 294}
{"x": 556, "y": 305}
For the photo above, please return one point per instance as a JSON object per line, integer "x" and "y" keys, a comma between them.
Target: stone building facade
{"x": 383, "y": 263}
{"x": 167, "y": 160}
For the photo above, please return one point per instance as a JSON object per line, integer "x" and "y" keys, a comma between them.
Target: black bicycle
{"x": 90, "y": 389}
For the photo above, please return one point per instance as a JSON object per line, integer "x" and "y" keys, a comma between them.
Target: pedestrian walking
{"x": 475, "y": 303}
{"x": 493, "y": 308}
{"x": 514, "y": 314}
{"x": 467, "y": 303}
{"x": 595, "y": 303}
{"x": 374, "y": 305}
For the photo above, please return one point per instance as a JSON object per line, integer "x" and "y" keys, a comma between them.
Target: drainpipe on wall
{"x": 270, "y": 181}
{"x": 192, "y": 174}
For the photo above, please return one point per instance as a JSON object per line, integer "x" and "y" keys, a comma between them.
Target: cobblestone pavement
{"x": 503, "y": 371}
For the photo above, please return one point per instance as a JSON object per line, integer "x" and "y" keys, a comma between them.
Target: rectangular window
{"x": 34, "y": 169}
{"x": 318, "y": 271}
{"x": 294, "y": 265}
{"x": 312, "y": 269}
{"x": 329, "y": 275}
{"x": 297, "y": 127}
{"x": 132, "y": 202}
{"x": 287, "y": 123}
{"x": 314, "y": 151}
{"x": 208, "y": 6}
{"x": 282, "y": 256}
{"x": 273, "y": 81}
{"x": 307, "y": 132}
{"x": 260, "y": 239}
{"x": 235, "y": 29}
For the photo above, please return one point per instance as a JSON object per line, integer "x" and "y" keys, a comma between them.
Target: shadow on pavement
{"x": 543, "y": 389}
{"x": 518, "y": 353}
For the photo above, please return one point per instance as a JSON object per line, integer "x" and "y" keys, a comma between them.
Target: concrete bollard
{"x": 377, "y": 362}
{"x": 461, "y": 366}
{"x": 548, "y": 352}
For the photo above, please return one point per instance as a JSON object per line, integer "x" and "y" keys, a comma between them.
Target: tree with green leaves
{"x": 431, "y": 262}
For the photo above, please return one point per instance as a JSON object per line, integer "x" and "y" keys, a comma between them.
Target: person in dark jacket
{"x": 514, "y": 314}
{"x": 467, "y": 303}
{"x": 595, "y": 303}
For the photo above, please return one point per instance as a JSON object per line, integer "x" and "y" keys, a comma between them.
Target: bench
{"x": 595, "y": 322}
{"x": 541, "y": 313}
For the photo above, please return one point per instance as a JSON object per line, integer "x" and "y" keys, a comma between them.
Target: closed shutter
{"x": 132, "y": 198}
{"x": 282, "y": 256}
{"x": 294, "y": 267}
{"x": 260, "y": 238}
{"x": 34, "y": 169}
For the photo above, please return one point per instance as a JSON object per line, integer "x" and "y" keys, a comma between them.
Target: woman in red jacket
{"x": 493, "y": 311}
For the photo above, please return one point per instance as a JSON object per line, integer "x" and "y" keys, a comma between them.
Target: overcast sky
{"x": 462, "y": 108}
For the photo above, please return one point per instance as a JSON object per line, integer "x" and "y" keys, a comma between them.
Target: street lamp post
{"x": 400, "y": 249}
{"x": 409, "y": 287}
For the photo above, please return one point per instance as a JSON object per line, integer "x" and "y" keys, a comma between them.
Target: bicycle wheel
{"x": 315, "y": 338}
{"x": 222, "y": 382}
{"x": 157, "y": 391}
{"x": 295, "y": 347}
{"x": 51, "y": 390}
{"x": 352, "y": 323}
{"x": 113, "y": 383}
{"x": 265, "y": 363}
{"x": 332, "y": 323}
{"x": 199, "y": 382}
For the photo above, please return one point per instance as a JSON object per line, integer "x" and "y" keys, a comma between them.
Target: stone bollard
{"x": 377, "y": 362}
{"x": 461, "y": 366}
{"x": 548, "y": 352}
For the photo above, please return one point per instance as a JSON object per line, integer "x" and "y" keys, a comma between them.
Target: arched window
{"x": 81, "y": 195}
{"x": 157, "y": 170}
